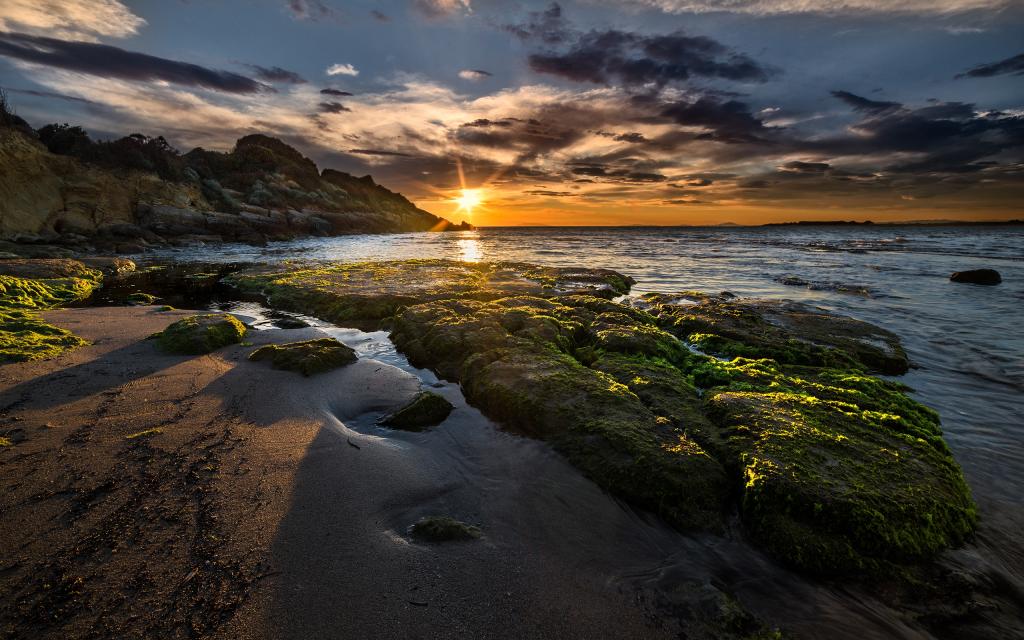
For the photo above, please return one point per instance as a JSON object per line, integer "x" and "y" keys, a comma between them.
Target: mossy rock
{"x": 834, "y": 469}
{"x": 24, "y": 335}
{"x": 425, "y": 410}
{"x": 199, "y": 334}
{"x": 787, "y": 332}
{"x": 308, "y": 357}
{"x": 443, "y": 529}
{"x": 141, "y": 299}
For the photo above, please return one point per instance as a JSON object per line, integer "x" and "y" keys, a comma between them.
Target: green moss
{"x": 308, "y": 357}
{"x": 144, "y": 434}
{"x": 425, "y": 410}
{"x": 141, "y": 298}
{"x": 6, "y": 442}
{"x": 443, "y": 529}
{"x": 24, "y": 335}
{"x": 165, "y": 307}
{"x": 201, "y": 334}
{"x": 833, "y": 469}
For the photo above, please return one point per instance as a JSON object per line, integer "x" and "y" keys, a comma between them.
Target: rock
{"x": 307, "y": 357}
{"x": 141, "y": 299}
{"x": 48, "y": 269}
{"x": 109, "y": 266}
{"x": 443, "y": 529}
{"x": 835, "y": 470}
{"x": 199, "y": 334}
{"x": 977, "y": 276}
{"x": 425, "y": 410}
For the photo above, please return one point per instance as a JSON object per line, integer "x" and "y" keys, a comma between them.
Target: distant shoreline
{"x": 800, "y": 223}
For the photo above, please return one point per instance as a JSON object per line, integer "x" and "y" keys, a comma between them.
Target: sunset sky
{"x": 581, "y": 112}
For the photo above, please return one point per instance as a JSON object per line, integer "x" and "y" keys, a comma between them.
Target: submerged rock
{"x": 443, "y": 529}
{"x": 977, "y": 276}
{"x": 425, "y": 410}
{"x": 196, "y": 335}
{"x": 307, "y": 357}
{"x": 834, "y": 470}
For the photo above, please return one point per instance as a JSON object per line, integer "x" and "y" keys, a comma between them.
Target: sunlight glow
{"x": 470, "y": 198}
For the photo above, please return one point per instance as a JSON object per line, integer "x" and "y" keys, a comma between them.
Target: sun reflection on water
{"x": 469, "y": 249}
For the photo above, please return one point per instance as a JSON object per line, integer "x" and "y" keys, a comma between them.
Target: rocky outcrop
{"x": 57, "y": 205}
{"x": 977, "y": 276}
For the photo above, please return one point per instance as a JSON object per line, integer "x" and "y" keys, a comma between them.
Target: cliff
{"x": 59, "y": 187}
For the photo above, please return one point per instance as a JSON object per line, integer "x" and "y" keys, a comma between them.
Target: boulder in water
{"x": 196, "y": 335}
{"x": 977, "y": 276}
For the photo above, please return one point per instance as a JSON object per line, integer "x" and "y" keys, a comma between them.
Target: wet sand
{"x": 174, "y": 496}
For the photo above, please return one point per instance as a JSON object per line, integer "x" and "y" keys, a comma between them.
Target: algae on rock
{"x": 425, "y": 410}
{"x": 199, "y": 334}
{"x": 833, "y": 469}
{"x": 24, "y": 335}
{"x": 307, "y": 357}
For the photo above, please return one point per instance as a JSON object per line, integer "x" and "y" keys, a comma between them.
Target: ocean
{"x": 966, "y": 342}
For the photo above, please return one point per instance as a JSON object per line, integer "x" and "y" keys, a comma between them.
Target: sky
{"x": 583, "y": 112}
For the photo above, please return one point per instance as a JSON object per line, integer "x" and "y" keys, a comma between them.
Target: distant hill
{"x": 57, "y": 186}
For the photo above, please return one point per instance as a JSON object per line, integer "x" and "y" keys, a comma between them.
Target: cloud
{"x": 474, "y": 74}
{"x": 614, "y": 56}
{"x": 51, "y": 94}
{"x": 770, "y": 7}
{"x": 342, "y": 70}
{"x": 729, "y": 121}
{"x": 864, "y": 104}
{"x": 84, "y": 20}
{"x": 435, "y": 9}
{"x": 313, "y": 10}
{"x": 334, "y": 92}
{"x": 276, "y": 74}
{"x": 332, "y": 107}
{"x": 112, "y": 62}
{"x": 380, "y": 152}
{"x": 1009, "y": 66}
{"x": 380, "y": 16}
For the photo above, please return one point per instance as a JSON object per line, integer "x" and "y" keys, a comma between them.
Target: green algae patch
{"x": 143, "y": 434}
{"x": 165, "y": 307}
{"x": 141, "y": 299}
{"x": 787, "y": 332}
{"x": 24, "y": 335}
{"x": 832, "y": 469}
{"x": 308, "y": 357}
{"x": 443, "y": 529}
{"x": 6, "y": 442}
{"x": 199, "y": 334}
{"x": 365, "y": 293}
{"x": 425, "y": 410}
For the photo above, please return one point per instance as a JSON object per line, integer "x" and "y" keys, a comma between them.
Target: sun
{"x": 470, "y": 198}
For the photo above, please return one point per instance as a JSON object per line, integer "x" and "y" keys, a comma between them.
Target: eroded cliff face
{"x": 43, "y": 194}
{"x": 261, "y": 190}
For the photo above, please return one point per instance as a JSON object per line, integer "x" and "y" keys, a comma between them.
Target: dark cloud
{"x": 1010, "y": 66}
{"x": 276, "y": 74}
{"x": 547, "y": 193}
{"x": 310, "y": 10}
{"x": 632, "y": 136}
{"x": 546, "y": 26}
{"x": 380, "y": 16}
{"x": 112, "y": 62}
{"x": 863, "y": 104}
{"x": 614, "y": 56}
{"x": 332, "y": 107}
{"x": 335, "y": 92}
{"x": 380, "y": 152}
{"x": 798, "y": 166}
{"x": 55, "y": 96}
{"x": 730, "y": 121}
{"x": 618, "y": 174}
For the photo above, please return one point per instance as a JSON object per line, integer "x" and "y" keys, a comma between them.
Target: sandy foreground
{"x": 176, "y": 496}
